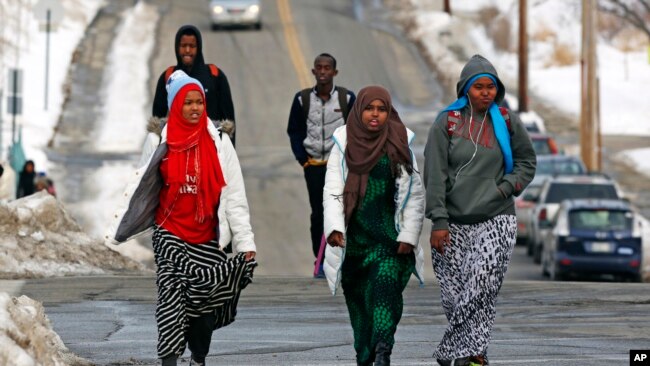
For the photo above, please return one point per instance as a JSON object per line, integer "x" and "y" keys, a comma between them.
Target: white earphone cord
{"x": 478, "y": 136}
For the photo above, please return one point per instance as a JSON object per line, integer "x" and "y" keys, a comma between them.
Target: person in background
{"x": 26, "y": 184}
{"x": 43, "y": 182}
{"x": 315, "y": 113}
{"x": 477, "y": 157}
{"x": 7, "y": 182}
{"x": 191, "y": 192}
{"x": 374, "y": 208}
{"x": 188, "y": 45}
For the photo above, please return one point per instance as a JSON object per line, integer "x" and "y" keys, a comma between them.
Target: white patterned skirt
{"x": 470, "y": 273}
{"x": 193, "y": 280}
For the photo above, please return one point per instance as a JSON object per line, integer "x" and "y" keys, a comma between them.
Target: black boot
{"x": 367, "y": 362}
{"x": 197, "y": 361}
{"x": 382, "y": 354}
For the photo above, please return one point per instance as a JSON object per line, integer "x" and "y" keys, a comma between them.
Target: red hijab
{"x": 183, "y": 138}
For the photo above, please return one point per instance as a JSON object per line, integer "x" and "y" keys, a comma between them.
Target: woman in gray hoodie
{"x": 478, "y": 156}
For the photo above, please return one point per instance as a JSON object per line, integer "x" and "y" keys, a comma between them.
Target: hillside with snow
{"x": 490, "y": 28}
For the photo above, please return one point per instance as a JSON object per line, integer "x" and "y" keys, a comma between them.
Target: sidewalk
{"x": 295, "y": 321}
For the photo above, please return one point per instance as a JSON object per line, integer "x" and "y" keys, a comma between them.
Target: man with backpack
{"x": 188, "y": 46}
{"x": 315, "y": 113}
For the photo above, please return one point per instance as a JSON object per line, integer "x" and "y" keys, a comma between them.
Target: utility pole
{"x": 523, "y": 56}
{"x": 590, "y": 142}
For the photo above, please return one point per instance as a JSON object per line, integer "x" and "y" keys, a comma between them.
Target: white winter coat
{"x": 135, "y": 215}
{"x": 8, "y": 183}
{"x": 409, "y": 213}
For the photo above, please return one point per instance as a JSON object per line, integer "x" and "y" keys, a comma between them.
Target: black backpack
{"x": 343, "y": 101}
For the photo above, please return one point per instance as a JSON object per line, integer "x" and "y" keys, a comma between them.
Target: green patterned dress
{"x": 373, "y": 274}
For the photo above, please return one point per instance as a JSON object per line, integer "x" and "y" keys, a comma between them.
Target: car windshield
{"x": 600, "y": 220}
{"x": 553, "y": 167}
{"x": 541, "y": 147}
{"x": 531, "y": 127}
{"x": 559, "y": 192}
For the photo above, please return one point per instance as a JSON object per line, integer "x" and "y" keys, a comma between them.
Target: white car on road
{"x": 235, "y": 12}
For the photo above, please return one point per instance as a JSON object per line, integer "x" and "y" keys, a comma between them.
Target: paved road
{"x": 293, "y": 321}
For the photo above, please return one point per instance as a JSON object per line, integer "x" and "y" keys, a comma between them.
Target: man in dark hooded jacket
{"x": 188, "y": 45}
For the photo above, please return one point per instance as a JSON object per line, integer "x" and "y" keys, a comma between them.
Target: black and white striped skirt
{"x": 193, "y": 280}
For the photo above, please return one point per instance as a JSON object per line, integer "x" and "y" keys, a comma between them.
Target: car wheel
{"x": 258, "y": 25}
{"x": 215, "y": 27}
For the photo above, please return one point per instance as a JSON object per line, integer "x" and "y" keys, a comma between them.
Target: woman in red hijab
{"x": 191, "y": 192}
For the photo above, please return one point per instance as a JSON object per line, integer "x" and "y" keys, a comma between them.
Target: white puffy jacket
{"x": 409, "y": 213}
{"x": 136, "y": 212}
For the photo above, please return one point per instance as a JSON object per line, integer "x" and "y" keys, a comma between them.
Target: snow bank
{"x": 637, "y": 159}
{"x": 27, "y": 337}
{"x": 126, "y": 109}
{"x": 38, "y": 238}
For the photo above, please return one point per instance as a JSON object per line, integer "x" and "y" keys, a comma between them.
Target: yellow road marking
{"x": 291, "y": 37}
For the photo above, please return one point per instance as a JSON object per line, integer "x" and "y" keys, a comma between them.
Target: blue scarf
{"x": 499, "y": 124}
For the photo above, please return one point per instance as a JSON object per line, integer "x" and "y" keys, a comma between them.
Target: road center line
{"x": 293, "y": 44}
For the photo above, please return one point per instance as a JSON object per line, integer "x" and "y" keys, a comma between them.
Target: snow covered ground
{"x": 27, "y": 338}
{"x": 38, "y": 238}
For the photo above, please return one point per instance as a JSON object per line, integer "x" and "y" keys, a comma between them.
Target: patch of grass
{"x": 562, "y": 55}
{"x": 543, "y": 34}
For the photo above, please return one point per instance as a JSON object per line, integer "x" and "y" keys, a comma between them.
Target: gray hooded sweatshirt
{"x": 466, "y": 182}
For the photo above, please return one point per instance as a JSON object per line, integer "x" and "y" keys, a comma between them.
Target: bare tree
{"x": 635, "y": 12}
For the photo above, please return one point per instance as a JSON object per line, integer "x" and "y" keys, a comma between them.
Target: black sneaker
{"x": 321, "y": 273}
{"x": 463, "y": 361}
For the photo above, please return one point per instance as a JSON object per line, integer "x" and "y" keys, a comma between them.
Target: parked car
{"x": 531, "y": 120}
{"x": 543, "y": 144}
{"x": 558, "y": 189}
{"x": 548, "y": 166}
{"x": 524, "y": 206}
{"x": 594, "y": 237}
{"x": 235, "y": 12}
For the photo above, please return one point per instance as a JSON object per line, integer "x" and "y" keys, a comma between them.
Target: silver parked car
{"x": 548, "y": 166}
{"x": 235, "y": 12}
{"x": 556, "y": 190}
